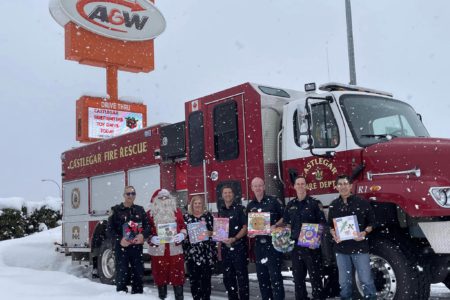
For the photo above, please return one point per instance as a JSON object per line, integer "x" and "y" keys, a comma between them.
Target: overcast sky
{"x": 401, "y": 46}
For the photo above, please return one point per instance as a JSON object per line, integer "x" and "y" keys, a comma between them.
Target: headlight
{"x": 441, "y": 195}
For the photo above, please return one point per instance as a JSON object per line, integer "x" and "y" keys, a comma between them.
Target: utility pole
{"x": 351, "y": 50}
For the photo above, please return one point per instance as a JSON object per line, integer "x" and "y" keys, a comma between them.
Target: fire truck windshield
{"x": 373, "y": 119}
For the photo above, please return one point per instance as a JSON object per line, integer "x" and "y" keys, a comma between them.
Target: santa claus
{"x": 166, "y": 250}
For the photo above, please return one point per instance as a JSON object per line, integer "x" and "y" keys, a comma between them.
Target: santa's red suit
{"x": 167, "y": 259}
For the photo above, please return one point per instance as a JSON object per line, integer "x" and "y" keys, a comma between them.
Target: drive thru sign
{"x": 116, "y": 35}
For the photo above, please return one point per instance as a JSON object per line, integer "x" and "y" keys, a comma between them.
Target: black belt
{"x": 263, "y": 239}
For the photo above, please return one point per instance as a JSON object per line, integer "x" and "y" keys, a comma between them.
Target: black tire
{"x": 106, "y": 263}
{"x": 397, "y": 273}
{"x": 447, "y": 281}
{"x": 331, "y": 286}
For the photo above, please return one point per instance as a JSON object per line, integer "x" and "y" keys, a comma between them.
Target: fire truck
{"x": 252, "y": 130}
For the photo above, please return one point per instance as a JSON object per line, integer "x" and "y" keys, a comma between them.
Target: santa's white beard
{"x": 163, "y": 211}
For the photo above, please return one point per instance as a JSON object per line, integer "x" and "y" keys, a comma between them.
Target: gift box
{"x": 310, "y": 235}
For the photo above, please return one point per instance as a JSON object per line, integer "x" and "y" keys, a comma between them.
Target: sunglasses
{"x": 131, "y": 194}
{"x": 163, "y": 197}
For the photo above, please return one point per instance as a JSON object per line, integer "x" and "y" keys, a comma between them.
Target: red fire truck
{"x": 250, "y": 130}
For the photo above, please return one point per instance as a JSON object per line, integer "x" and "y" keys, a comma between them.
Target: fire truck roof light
{"x": 334, "y": 86}
{"x": 274, "y": 92}
{"x": 310, "y": 87}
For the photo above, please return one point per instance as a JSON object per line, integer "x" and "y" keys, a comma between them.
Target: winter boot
{"x": 178, "y": 290}
{"x": 162, "y": 291}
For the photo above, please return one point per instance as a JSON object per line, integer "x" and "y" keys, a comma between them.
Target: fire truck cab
{"x": 251, "y": 130}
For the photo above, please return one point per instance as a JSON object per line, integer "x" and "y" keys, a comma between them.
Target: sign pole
{"x": 112, "y": 83}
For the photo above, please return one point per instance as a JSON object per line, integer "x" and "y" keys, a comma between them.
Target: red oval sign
{"x": 130, "y": 20}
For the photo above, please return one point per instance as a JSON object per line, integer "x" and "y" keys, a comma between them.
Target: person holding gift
{"x": 234, "y": 248}
{"x": 352, "y": 253}
{"x": 268, "y": 260}
{"x": 300, "y": 210}
{"x": 167, "y": 258}
{"x": 200, "y": 255}
{"x": 127, "y": 228}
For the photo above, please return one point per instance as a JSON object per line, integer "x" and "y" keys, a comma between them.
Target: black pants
{"x": 268, "y": 270}
{"x": 304, "y": 261}
{"x": 200, "y": 279}
{"x": 235, "y": 272}
{"x": 129, "y": 259}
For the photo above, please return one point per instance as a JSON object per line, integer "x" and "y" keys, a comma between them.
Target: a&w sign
{"x": 129, "y": 20}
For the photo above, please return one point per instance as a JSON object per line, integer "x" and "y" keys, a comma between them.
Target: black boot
{"x": 178, "y": 290}
{"x": 162, "y": 291}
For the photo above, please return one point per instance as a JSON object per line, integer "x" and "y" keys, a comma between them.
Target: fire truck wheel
{"x": 106, "y": 265}
{"x": 397, "y": 274}
{"x": 331, "y": 287}
{"x": 447, "y": 281}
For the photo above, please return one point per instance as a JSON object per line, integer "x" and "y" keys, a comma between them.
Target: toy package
{"x": 310, "y": 235}
{"x": 220, "y": 229}
{"x": 197, "y": 232}
{"x": 259, "y": 223}
{"x": 167, "y": 232}
{"x": 346, "y": 228}
{"x": 281, "y": 239}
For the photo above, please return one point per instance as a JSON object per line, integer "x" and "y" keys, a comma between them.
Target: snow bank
{"x": 17, "y": 203}
{"x": 31, "y": 269}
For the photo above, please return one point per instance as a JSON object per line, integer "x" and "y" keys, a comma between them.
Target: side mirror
{"x": 304, "y": 144}
{"x": 303, "y": 119}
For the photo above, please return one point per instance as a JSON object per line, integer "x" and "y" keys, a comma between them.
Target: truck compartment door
{"x": 106, "y": 191}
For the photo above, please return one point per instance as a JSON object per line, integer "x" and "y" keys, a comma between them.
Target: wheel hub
{"x": 108, "y": 263}
{"x": 384, "y": 278}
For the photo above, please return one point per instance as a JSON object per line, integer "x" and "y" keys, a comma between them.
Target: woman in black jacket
{"x": 200, "y": 250}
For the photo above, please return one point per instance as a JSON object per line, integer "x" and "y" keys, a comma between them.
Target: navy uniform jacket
{"x": 237, "y": 219}
{"x": 121, "y": 215}
{"x": 267, "y": 204}
{"x": 306, "y": 211}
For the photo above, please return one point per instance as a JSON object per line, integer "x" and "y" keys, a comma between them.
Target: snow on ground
{"x": 30, "y": 268}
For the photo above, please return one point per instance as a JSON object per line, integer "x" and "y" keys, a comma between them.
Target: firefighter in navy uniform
{"x": 234, "y": 249}
{"x": 304, "y": 209}
{"x": 130, "y": 220}
{"x": 268, "y": 260}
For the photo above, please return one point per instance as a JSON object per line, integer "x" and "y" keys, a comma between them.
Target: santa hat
{"x": 160, "y": 193}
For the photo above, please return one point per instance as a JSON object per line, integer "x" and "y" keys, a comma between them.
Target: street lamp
{"x": 51, "y": 180}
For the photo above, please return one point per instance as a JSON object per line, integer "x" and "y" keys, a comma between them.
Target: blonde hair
{"x": 194, "y": 198}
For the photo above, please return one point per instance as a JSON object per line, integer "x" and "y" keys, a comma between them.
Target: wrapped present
{"x": 310, "y": 235}
{"x": 131, "y": 229}
{"x": 281, "y": 239}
